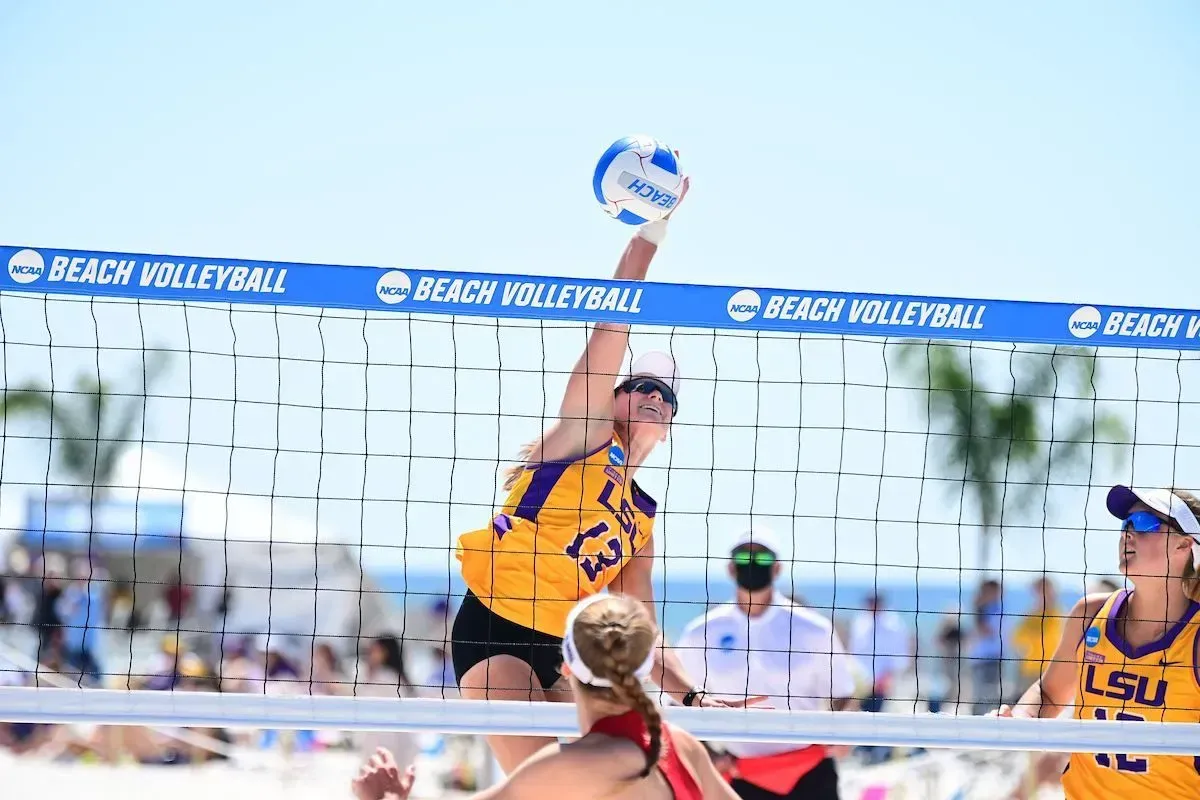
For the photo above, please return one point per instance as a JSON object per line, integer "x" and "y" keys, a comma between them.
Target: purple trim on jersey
{"x": 501, "y": 524}
{"x": 1196, "y": 674}
{"x": 1112, "y": 630}
{"x": 642, "y": 501}
{"x": 569, "y": 461}
{"x": 545, "y": 476}
{"x": 1091, "y": 622}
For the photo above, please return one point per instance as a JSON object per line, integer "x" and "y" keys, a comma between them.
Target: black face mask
{"x": 753, "y": 577}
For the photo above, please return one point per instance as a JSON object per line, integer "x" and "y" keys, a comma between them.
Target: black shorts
{"x": 479, "y": 634}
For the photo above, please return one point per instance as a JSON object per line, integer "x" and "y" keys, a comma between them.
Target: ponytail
{"x": 628, "y": 690}
{"x": 1191, "y": 577}
{"x": 1191, "y": 582}
{"x": 614, "y": 638}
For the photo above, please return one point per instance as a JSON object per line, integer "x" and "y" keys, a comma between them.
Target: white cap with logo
{"x": 757, "y": 535}
{"x": 658, "y": 365}
{"x": 1164, "y": 503}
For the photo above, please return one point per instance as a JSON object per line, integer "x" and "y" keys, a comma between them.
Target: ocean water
{"x": 681, "y": 599}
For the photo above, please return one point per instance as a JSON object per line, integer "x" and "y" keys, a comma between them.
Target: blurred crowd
{"x": 977, "y": 657}
{"x": 64, "y": 623}
{"x": 60, "y": 617}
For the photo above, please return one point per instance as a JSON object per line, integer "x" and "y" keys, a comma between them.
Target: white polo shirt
{"x": 789, "y": 653}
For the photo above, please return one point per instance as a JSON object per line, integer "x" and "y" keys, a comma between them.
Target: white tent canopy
{"x": 285, "y": 573}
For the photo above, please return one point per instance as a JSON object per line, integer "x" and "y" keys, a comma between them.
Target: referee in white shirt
{"x": 764, "y": 644}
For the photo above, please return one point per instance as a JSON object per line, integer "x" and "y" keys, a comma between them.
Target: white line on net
{"x": 212, "y": 709}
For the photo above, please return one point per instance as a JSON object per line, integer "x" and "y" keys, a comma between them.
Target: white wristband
{"x": 654, "y": 232}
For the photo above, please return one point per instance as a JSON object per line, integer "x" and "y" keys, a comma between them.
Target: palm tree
{"x": 91, "y": 423}
{"x": 1007, "y": 438}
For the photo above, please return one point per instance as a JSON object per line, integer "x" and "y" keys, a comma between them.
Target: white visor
{"x": 574, "y": 661}
{"x": 1164, "y": 503}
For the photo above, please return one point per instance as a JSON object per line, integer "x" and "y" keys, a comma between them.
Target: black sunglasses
{"x": 650, "y": 385}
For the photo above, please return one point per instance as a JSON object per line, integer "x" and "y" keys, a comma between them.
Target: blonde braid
{"x": 627, "y": 687}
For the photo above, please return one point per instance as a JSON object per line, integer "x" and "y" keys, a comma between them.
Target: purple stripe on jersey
{"x": 1196, "y": 674}
{"x": 545, "y": 476}
{"x": 539, "y": 488}
{"x": 1113, "y": 630}
{"x": 642, "y": 501}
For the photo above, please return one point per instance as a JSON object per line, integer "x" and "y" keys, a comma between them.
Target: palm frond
{"x": 34, "y": 400}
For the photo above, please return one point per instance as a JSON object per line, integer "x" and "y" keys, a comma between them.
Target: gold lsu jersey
{"x": 566, "y": 530}
{"x": 1159, "y": 683}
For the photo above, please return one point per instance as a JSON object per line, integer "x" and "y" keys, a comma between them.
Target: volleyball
{"x": 638, "y": 180}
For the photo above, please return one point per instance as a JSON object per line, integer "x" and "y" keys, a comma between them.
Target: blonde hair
{"x": 1191, "y": 578}
{"x": 613, "y": 638}
{"x": 512, "y": 472}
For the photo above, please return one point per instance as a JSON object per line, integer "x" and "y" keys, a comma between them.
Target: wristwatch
{"x": 690, "y": 697}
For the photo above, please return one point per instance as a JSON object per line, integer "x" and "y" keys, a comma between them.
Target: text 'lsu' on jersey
{"x": 1156, "y": 683}
{"x": 565, "y": 531}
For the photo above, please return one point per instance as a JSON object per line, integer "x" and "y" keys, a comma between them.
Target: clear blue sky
{"x": 1024, "y": 150}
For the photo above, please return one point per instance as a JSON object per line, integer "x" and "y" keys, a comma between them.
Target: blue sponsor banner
{"x": 79, "y": 525}
{"x": 167, "y": 277}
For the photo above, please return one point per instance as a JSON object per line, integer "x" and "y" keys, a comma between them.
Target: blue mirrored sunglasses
{"x": 648, "y": 386}
{"x": 1142, "y": 522}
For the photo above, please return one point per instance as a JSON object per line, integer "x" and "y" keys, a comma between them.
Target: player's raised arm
{"x": 588, "y": 400}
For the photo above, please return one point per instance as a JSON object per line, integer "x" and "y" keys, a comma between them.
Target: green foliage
{"x": 1007, "y": 437}
{"x": 91, "y": 423}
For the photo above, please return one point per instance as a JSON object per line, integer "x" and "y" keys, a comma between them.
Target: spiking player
{"x": 1132, "y": 655}
{"x": 574, "y": 523}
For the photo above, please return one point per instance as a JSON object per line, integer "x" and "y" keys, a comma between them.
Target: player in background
{"x": 574, "y": 523}
{"x": 1131, "y": 654}
{"x": 627, "y": 751}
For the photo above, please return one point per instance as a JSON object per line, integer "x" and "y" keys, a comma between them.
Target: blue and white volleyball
{"x": 638, "y": 180}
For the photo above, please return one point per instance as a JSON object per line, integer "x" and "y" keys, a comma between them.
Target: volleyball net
{"x": 225, "y": 481}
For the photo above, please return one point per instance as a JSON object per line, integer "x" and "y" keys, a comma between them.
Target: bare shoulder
{"x": 686, "y": 743}
{"x": 695, "y": 757}
{"x": 553, "y": 767}
{"x": 1088, "y": 606}
{"x": 605, "y": 755}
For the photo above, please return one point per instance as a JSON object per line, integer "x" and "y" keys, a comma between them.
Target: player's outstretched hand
{"x": 712, "y": 702}
{"x": 655, "y": 232}
{"x": 1019, "y": 711}
{"x": 380, "y": 779}
{"x": 687, "y": 184}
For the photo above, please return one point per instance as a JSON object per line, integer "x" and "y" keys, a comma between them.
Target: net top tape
{"x": 140, "y": 276}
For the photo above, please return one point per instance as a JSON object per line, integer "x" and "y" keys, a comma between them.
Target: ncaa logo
{"x": 744, "y": 305}
{"x": 26, "y": 266}
{"x": 727, "y": 642}
{"x": 1092, "y": 637}
{"x": 1084, "y": 322}
{"x": 393, "y": 287}
{"x": 616, "y": 456}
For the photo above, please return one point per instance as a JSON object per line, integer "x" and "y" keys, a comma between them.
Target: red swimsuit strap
{"x": 631, "y": 726}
